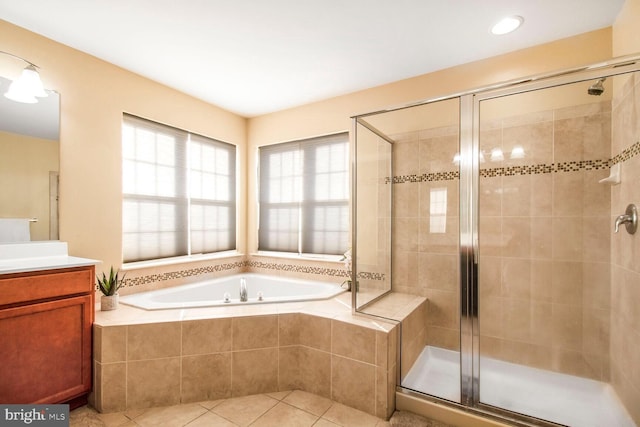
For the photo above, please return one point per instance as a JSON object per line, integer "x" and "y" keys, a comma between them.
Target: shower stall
{"x": 498, "y": 207}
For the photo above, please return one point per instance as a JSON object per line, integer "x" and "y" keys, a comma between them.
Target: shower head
{"x": 597, "y": 88}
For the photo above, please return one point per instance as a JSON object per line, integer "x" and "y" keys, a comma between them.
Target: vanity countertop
{"x": 35, "y": 256}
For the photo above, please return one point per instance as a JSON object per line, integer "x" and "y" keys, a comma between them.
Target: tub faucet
{"x": 244, "y": 294}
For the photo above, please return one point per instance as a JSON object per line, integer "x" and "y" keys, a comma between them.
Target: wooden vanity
{"x": 46, "y": 319}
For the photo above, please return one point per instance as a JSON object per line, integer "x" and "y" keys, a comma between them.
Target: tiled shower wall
{"x": 625, "y": 250}
{"x": 545, "y": 240}
{"x": 425, "y": 227}
{"x": 544, "y": 236}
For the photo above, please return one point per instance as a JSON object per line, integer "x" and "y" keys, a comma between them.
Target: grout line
{"x": 331, "y": 328}
{"x": 300, "y": 409}
{"x": 126, "y": 367}
{"x": 231, "y": 335}
{"x": 181, "y": 362}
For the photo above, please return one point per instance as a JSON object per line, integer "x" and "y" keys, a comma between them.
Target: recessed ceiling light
{"x": 507, "y": 25}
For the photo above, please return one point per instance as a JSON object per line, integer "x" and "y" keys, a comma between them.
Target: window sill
{"x": 179, "y": 260}
{"x": 303, "y": 257}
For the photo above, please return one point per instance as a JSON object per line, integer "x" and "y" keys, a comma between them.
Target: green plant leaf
{"x": 110, "y": 285}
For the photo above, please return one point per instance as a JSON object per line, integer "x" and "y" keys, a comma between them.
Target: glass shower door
{"x": 544, "y": 249}
{"x": 420, "y": 157}
{"x": 372, "y": 213}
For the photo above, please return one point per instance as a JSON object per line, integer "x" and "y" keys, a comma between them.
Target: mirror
{"x": 29, "y": 162}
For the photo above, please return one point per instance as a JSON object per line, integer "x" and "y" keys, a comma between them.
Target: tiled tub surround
{"x": 625, "y": 250}
{"x": 145, "y": 359}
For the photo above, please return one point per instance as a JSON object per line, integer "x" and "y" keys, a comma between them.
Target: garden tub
{"x": 225, "y": 291}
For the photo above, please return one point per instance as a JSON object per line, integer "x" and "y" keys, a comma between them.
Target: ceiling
{"x": 254, "y": 57}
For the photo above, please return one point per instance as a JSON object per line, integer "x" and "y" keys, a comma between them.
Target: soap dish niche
{"x": 614, "y": 176}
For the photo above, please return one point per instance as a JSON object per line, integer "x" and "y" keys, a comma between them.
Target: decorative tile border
{"x": 587, "y": 165}
{"x": 334, "y": 272}
{"x": 371, "y": 276}
{"x": 295, "y": 268}
{"x": 517, "y": 170}
{"x": 425, "y": 177}
{"x": 572, "y": 166}
{"x": 171, "y": 275}
{"x": 627, "y": 154}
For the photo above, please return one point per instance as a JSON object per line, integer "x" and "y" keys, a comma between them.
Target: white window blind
{"x": 304, "y": 196}
{"x": 178, "y": 192}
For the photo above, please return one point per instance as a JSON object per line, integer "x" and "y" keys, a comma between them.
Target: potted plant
{"x": 109, "y": 286}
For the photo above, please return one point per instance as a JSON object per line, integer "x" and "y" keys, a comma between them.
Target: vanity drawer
{"x": 30, "y": 287}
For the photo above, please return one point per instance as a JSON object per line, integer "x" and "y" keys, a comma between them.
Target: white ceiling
{"x": 258, "y": 56}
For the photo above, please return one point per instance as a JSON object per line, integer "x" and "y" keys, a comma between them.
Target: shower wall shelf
{"x": 614, "y": 176}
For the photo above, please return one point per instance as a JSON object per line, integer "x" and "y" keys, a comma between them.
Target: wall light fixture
{"x": 28, "y": 87}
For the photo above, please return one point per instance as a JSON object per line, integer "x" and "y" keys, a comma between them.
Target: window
{"x": 304, "y": 196}
{"x": 438, "y": 210}
{"x": 178, "y": 192}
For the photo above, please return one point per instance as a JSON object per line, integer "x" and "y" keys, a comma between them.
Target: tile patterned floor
{"x": 284, "y": 409}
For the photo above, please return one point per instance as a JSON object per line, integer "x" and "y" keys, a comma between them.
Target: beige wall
{"x": 93, "y": 96}
{"x": 626, "y": 37}
{"x": 625, "y": 249}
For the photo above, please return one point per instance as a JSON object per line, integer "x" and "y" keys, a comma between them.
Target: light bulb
{"x": 517, "y": 152}
{"x": 27, "y": 87}
{"x": 507, "y": 25}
